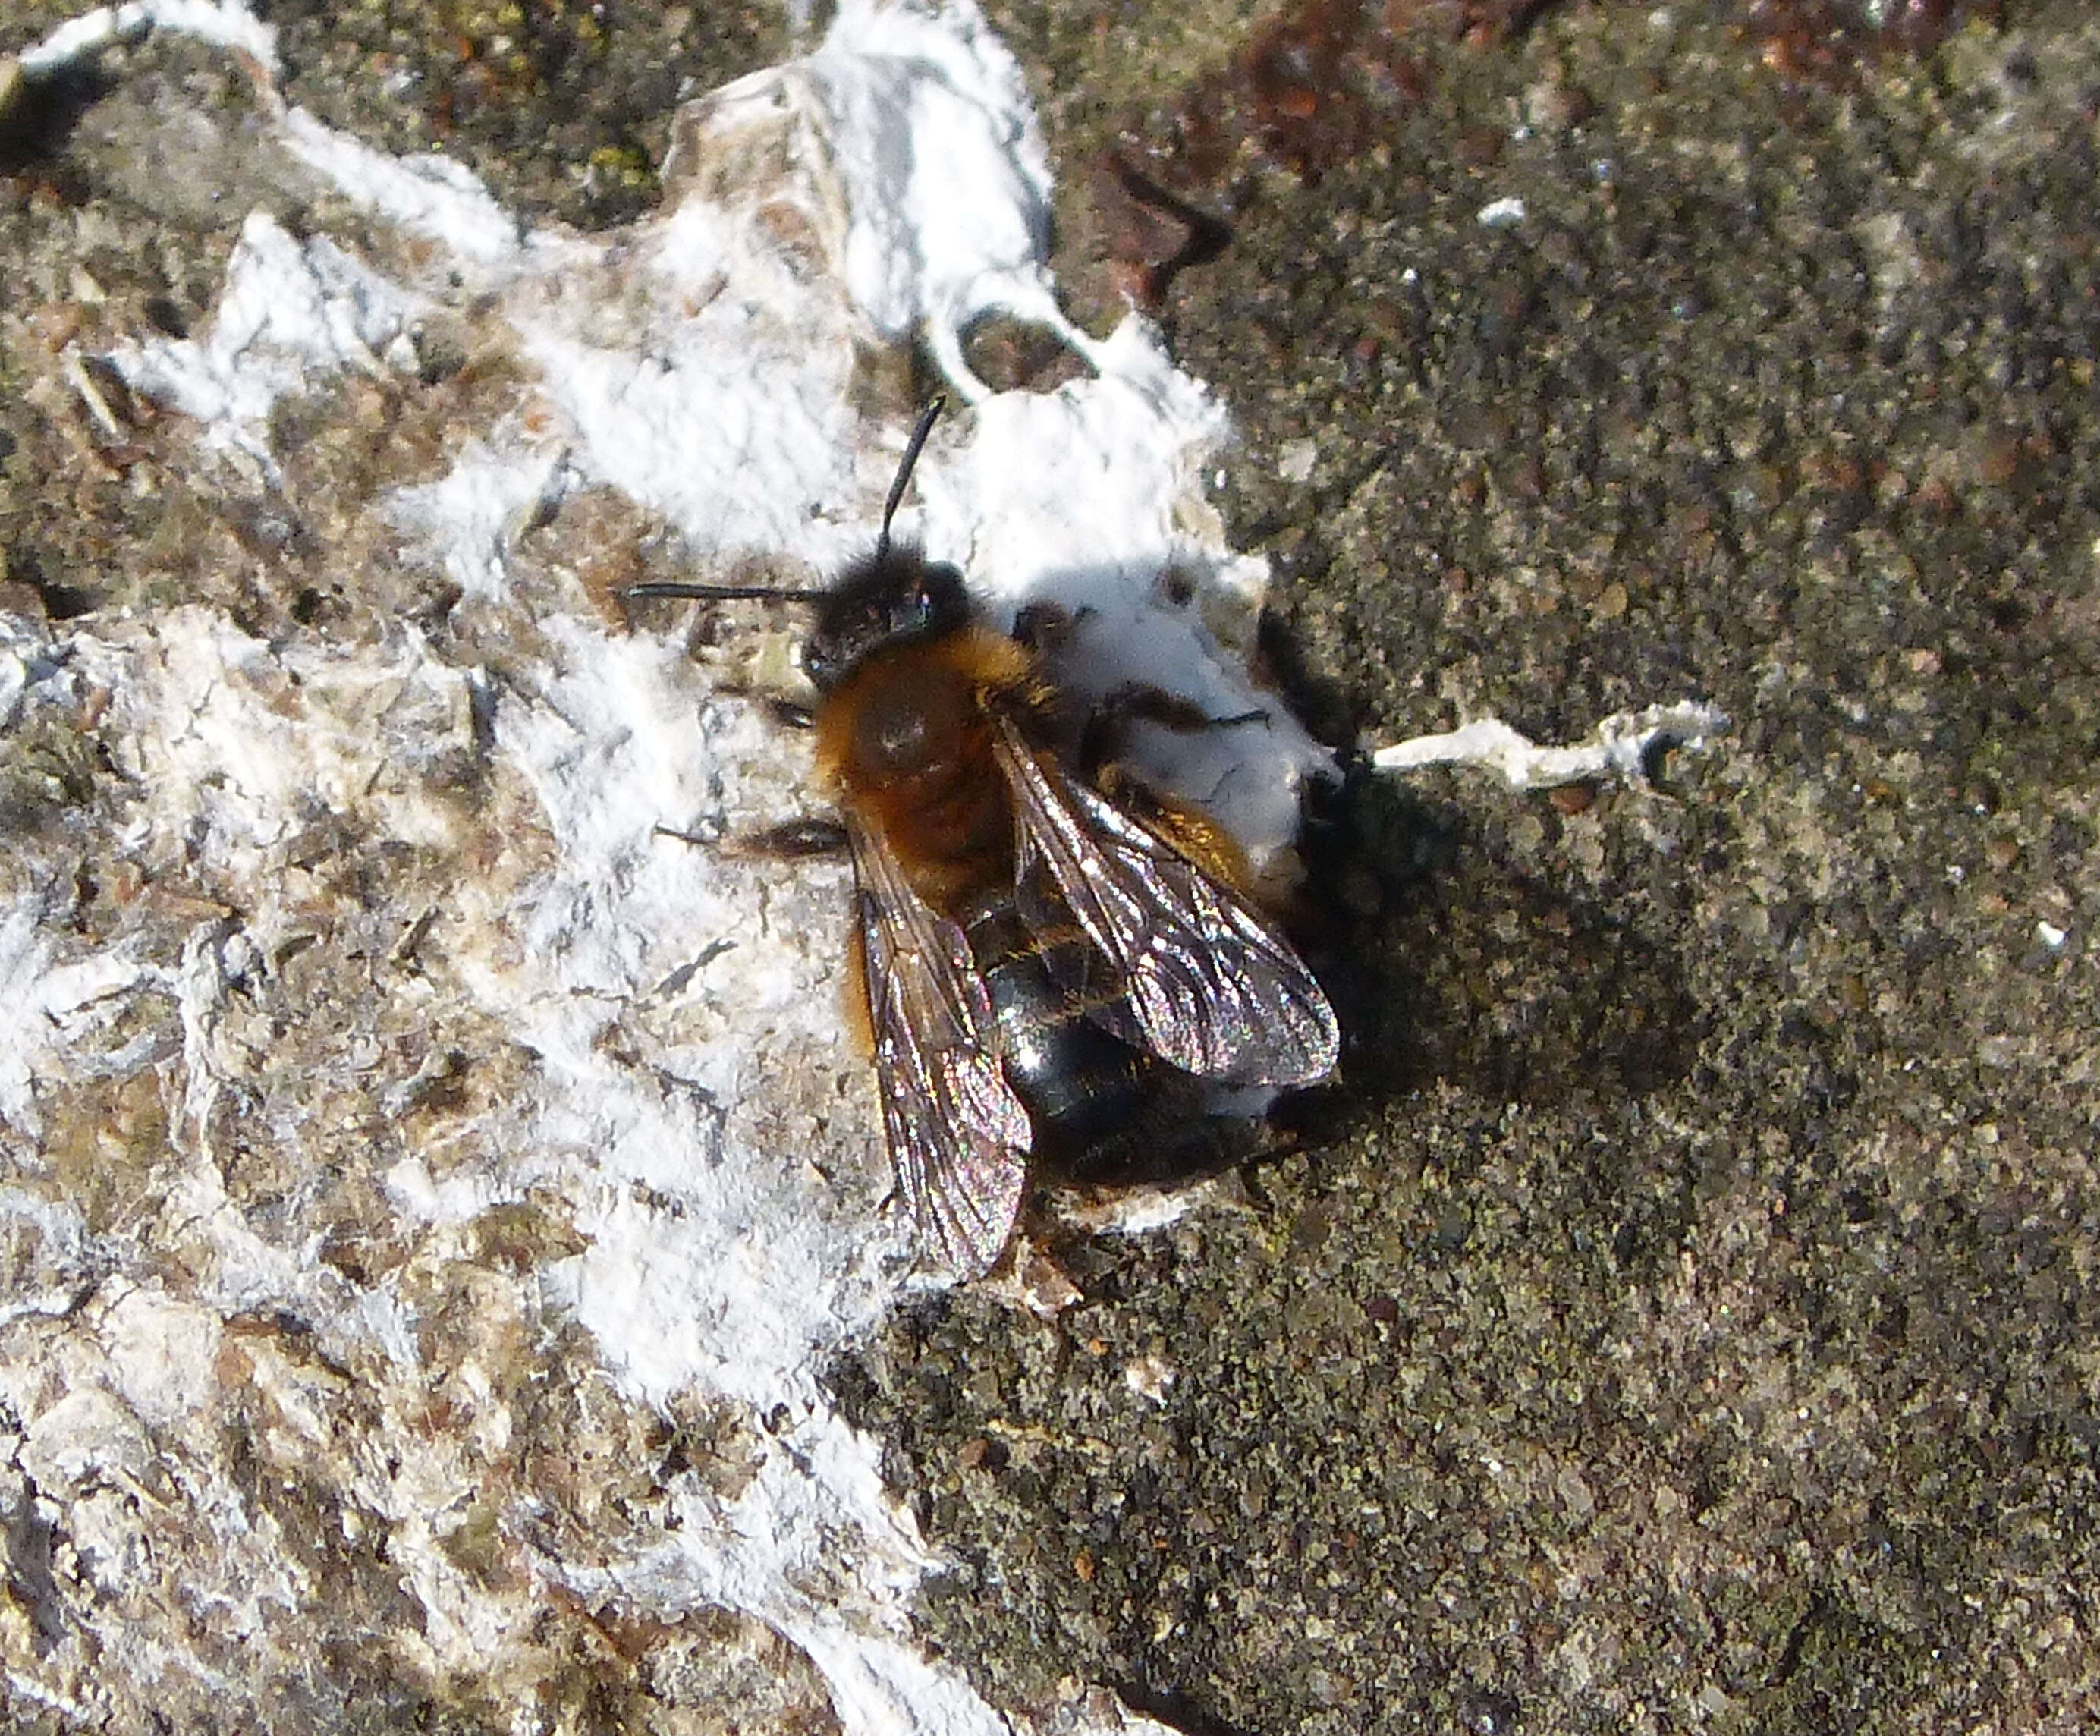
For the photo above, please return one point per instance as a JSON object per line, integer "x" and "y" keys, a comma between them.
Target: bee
{"x": 1052, "y": 967}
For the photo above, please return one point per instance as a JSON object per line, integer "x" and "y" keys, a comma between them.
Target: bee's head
{"x": 892, "y": 598}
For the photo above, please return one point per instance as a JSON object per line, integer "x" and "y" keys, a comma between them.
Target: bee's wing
{"x": 1213, "y": 987}
{"x": 959, "y": 1137}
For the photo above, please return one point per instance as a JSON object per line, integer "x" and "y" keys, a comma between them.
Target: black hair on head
{"x": 893, "y": 598}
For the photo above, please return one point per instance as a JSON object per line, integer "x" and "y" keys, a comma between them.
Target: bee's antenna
{"x": 912, "y": 448}
{"x": 788, "y": 594}
{"x": 719, "y": 592}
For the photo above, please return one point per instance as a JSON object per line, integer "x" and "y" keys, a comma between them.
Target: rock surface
{"x": 1683, "y": 1316}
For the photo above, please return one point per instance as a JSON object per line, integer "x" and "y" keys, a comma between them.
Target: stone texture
{"x": 1683, "y": 1314}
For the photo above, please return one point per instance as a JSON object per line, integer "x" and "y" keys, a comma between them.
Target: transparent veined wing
{"x": 1211, "y": 985}
{"x": 958, "y": 1138}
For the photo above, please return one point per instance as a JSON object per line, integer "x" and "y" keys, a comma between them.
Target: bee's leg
{"x": 1108, "y": 730}
{"x": 791, "y": 841}
{"x": 789, "y": 714}
{"x": 1046, "y": 629}
{"x": 1192, "y": 831}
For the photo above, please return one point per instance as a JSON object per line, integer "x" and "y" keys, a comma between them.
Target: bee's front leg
{"x": 791, "y": 841}
{"x": 1107, "y": 731}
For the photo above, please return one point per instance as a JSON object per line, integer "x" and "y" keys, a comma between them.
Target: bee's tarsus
{"x": 1105, "y": 738}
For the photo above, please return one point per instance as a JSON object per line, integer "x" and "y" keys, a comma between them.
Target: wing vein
{"x": 959, "y": 1137}
{"x": 1214, "y": 988}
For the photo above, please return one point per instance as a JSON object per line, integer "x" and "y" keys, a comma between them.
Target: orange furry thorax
{"x": 905, "y": 740}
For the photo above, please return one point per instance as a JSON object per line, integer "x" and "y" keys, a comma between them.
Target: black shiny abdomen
{"x": 1088, "y": 1092}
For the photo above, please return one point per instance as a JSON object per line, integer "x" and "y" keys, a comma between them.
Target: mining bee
{"x": 1055, "y": 964}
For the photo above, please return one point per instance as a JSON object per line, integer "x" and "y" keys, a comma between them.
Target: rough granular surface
{"x": 1680, "y": 1314}
{"x": 1684, "y": 1316}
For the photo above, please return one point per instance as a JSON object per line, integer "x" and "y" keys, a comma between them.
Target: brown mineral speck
{"x": 2000, "y": 461}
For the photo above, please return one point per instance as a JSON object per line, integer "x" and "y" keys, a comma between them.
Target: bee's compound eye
{"x": 914, "y": 610}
